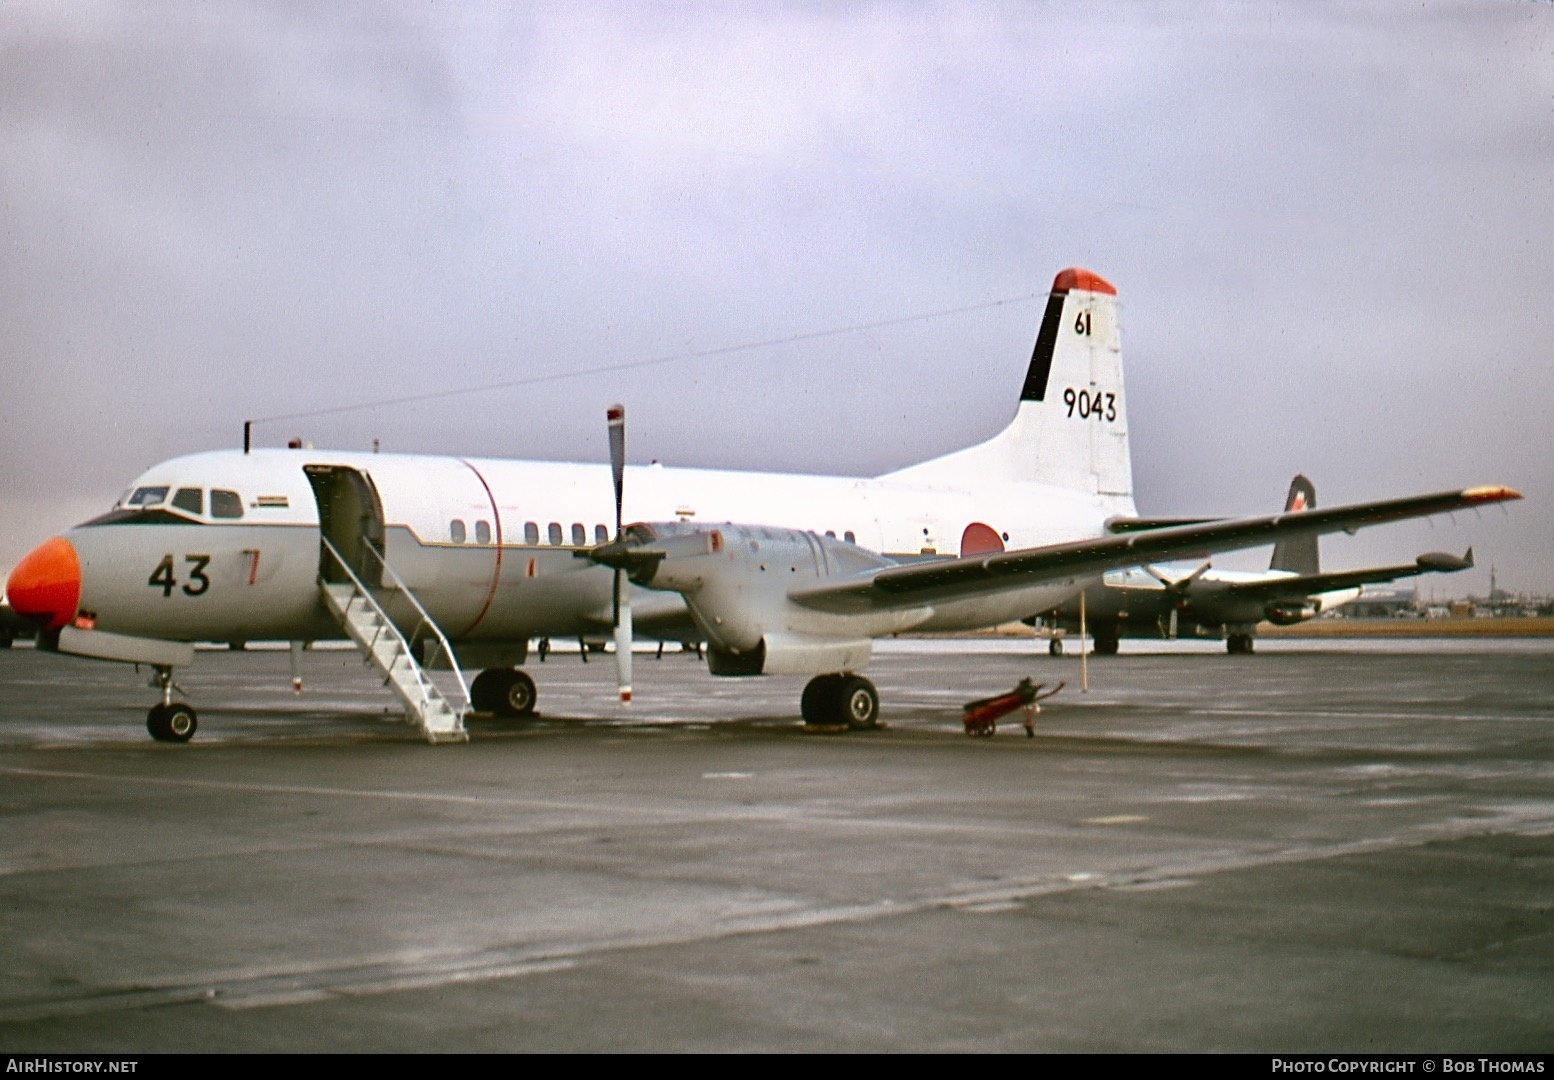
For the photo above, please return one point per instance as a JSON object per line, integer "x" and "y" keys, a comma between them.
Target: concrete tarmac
{"x": 1321, "y": 847}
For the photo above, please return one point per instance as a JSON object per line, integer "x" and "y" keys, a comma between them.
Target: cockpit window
{"x": 147, "y": 496}
{"x": 189, "y": 499}
{"x": 225, "y": 504}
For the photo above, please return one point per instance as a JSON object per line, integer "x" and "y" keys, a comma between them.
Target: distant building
{"x": 1382, "y": 602}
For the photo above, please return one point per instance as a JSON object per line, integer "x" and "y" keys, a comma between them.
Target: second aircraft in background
{"x": 1163, "y": 603}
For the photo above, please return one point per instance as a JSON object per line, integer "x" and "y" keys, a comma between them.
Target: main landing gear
{"x": 1106, "y": 640}
{"x": 170, "y": 721}
{"x": 503, "y": 691}
{"x": 848, "y": 701}
{"x": 1240, "y": 644}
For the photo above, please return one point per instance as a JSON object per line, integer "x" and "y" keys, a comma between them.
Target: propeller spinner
{"x": 1177, "y": 592}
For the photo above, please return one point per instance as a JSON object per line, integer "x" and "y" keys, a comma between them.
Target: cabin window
{"x": 849, "y": 537}
{"x": 190, "y": 500}
{"x": 579, "y": 534}
{"x": 555, "y": 533}
{"x": 225, "y": 504}
{"x": 531, "y": 532}
{"x": 456, "y": 531}
{"x": 601, "y": 535}
{"x": 482, "y": 532}
{"x": 147, "y": 496}
{"x": 831, "y": 533}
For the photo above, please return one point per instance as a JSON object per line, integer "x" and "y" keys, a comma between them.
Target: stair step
{"x": 382, "y": 646}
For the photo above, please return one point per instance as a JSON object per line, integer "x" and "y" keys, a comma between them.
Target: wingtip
{"x": 1491, "y": 493}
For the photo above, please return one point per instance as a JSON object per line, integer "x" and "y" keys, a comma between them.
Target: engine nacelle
{"x": 735, "y": 580}
{"x": 793, "y": 654}
{"x": 1288, "y": 614}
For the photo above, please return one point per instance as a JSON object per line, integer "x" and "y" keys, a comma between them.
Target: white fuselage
{"x": 488, "y": 546}
{"x": 226, "y": 545}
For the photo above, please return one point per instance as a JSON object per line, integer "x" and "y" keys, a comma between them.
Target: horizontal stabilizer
{"x": 1305, "y": 585}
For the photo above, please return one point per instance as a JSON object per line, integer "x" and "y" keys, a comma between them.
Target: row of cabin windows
{"x": 556, "y": 536}
{"x": 223, "y": 504}
{"x": 554, "y": 533}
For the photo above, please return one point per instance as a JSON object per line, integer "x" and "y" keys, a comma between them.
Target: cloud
{"x": 1330, "y": 229}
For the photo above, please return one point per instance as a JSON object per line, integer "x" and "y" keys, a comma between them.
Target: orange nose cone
{"x": 46, "y": 585}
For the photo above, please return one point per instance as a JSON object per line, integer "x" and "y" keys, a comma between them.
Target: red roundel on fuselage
{"x": 979, "y": 539}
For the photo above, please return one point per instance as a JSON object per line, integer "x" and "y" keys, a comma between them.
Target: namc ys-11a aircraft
{"x": 1156, "y": 602}
{"x": 456, "y": 562}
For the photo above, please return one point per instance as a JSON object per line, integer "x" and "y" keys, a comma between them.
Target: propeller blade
{"x": 1171, "y": 634}
{"x": 1180, "y": 585}
{"x": 616, "y": 417}
{"x": 623, "y": 636}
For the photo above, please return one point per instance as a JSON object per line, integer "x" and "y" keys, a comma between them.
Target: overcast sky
{"x": 1331, "y": 228}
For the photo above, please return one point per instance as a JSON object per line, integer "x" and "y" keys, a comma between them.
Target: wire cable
{"x": 632, "y": 365}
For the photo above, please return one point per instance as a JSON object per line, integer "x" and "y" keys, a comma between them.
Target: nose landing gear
{"x": 169, "y": 721}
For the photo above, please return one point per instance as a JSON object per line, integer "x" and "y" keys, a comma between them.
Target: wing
{"x": 919, "y": 583}
{"x": 1304, "y": 585}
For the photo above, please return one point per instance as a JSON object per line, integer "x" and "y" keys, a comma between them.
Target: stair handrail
{"x": 426, "y": 621}
{"x": 383, "y": 616}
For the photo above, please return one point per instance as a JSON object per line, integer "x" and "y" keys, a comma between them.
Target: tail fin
{"x": 1298, "y": 554}
{"x": 1071, "y": 427}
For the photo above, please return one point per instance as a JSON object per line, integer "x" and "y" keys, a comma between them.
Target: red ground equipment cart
{"x": 981, "y": 716}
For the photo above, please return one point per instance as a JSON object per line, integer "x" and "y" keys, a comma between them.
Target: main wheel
{"x": 518, "y": 696}
{"x": 1238, "y": 643}
{"x": 859, "y": 701}
{"x": 818, "y": 703}
{"x": 171, "y": 723}
{"x": 1105, "y": 645}
{"x": 1055, "y": 647}
{"x": 503, "y": 691}
{"x": 840, "y": 701}
{"x": 485, "y": 693}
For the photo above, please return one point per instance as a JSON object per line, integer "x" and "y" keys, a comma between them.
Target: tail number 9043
{"x": 1091, "y": 406}
{"x": 162, "y": 577}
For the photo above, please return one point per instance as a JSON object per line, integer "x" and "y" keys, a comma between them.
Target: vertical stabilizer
{"x": 1071, "y": 427}
{"x": 1298, "y": 554}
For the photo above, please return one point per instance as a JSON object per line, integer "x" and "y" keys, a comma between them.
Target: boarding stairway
{"x": 387, "y": 649}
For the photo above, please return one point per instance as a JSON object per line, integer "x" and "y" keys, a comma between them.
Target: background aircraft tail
{"x": 1298, "y": 554}
{"x": 1071, "y": 427}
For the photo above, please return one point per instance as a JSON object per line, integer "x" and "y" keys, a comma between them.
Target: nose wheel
{"x": 170, "y": 721}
